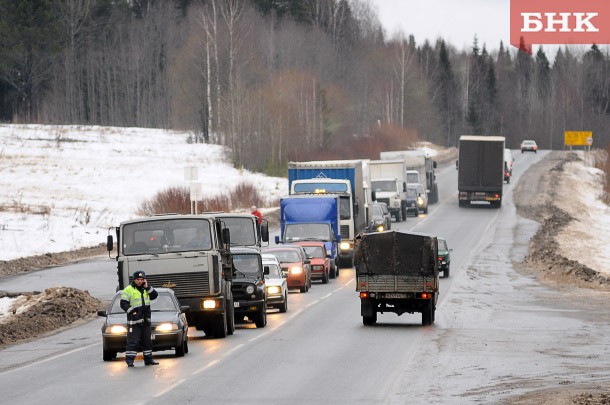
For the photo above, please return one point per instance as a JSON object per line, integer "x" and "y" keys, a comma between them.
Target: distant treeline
{"x": 279, "y": 80}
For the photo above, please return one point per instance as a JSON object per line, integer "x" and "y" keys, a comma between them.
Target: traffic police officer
{"x": 135, "y": 300}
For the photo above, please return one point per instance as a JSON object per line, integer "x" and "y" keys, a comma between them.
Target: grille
{"x": 239, "y": 291}
{"x": 183, "y": 284}
{"x": 344, "y": 231}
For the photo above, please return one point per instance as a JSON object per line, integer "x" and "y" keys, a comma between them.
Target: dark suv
{"x": 249, "y": 293}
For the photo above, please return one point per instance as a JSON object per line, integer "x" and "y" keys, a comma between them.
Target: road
{"x": 498, "y": 333}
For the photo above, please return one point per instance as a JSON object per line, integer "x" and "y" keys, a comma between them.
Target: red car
{"x": 320, "y": 261}
{"x": 295, "y": 265}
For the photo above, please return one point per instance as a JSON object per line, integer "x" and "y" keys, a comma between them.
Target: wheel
{"x": 230, "y": 318}
{"x": 446, "y": 272}
{"x": 260, "y": 319}
{"x": 325, "y": 278}
{"x": 333, "y": 271}
{"x": 508, "y": 180}
{"x": 427, "y": 315}
{"x": 109, "y": 355}
{"x": 404, "y": 214}
{"x": 283, "y": 307}
{"x": 182, "y": 349}
{"x": 399, "y": 216}
{"x": 220, "y": 326}
{"x": 426, "y": 210}
{"x": 303, "y": 289}
{"x": 369, "y": 320}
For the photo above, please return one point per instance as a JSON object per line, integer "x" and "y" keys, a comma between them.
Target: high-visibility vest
{"x": 139, "y": 304}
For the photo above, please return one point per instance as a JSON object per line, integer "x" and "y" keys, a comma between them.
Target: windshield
{"x": 163, "y": 303}
{"x": 383, "y": 185}
{"x": 285, "y": 256}
{"x": 320, "y": 188}
{"x": 442, "y": 245}
{"x": 242, "y": 231}
{"x": 274, "y": 271}
{"x": 377, "y": 211}
{"x": 247, "y": 264}
{"x": 412, "y": 177}
{"x": 314, "y": 251}
{"x": 296, "y": 232}
{"x": 164, "y": 236}
{"x": 411, "y": 193}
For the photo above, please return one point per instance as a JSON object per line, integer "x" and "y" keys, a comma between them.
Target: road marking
{"x": 312, "y": 303}
{"x": 257, "y": 337}
{"x": 351, "y": 280}
{"x": 227, "y": 353}
{"x": 171, "y": 387}
{"x": 210, "y": 364}
{"x": 49, "y": 358}
{"x": 326, "y": 296}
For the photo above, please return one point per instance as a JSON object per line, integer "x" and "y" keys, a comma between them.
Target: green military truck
{"x": 396, "y": 272}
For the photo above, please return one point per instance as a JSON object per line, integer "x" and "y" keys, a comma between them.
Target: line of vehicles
{"x": 215, "y": 272}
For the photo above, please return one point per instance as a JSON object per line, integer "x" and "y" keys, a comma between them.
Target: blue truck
{"x": 343, "y": 178}
{"x": 312, "y": 218}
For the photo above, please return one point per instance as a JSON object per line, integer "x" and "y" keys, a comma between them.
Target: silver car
{"x": 422, "y": 197}
{"x": 277, "y": 288}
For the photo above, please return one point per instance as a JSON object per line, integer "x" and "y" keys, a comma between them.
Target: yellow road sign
{"x": 578, "y": 138}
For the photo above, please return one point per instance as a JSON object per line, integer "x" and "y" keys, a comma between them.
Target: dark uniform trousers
{"x": 134, "y": 334}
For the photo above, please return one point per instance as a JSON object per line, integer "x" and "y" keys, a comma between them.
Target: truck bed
{"x": 396, "y": 253}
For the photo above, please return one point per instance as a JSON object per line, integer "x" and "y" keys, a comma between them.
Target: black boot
{"x": 150, "y": 362}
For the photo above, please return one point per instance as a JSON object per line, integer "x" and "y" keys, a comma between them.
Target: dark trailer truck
{"x": 480, "y": 168}
{"x": 396, "y": 272}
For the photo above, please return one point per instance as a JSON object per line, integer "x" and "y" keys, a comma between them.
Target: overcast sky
{"x": 457, "y": 21}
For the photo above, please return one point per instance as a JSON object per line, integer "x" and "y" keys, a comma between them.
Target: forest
{"x": 281, "y": 80}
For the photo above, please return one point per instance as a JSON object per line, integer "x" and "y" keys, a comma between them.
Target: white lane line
{"x": 326, "y": 296}
{"x": 49, "y": 359}
{"x": 351, "y": 280}
{"x": 258, "y": 336}
{"x": 168, "y": 389}
{"x": 227, "y": 353}
{"x": 312, "y": 303}
{"x": 210, "y": 364}
{"x": 338, "y": 289}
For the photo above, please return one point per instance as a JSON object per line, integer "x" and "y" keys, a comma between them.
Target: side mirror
{"x": 102, "y": 313}
{"x": 277, "y": 240}
{"x": 457, "y": 165}
{"x": 374, "y": 195}
{"x": 109, "y": 243}
{"x": 434, "y": 164}
{"x": 404, "y": 187}
{"x": 356, "y": 209}
{"x": 185, "y": 309}
{"x": 307, "y": 261}
{"x": 266, "y": 270}
{"x": 264, "y": 231}
{"x": 226, "y": 237}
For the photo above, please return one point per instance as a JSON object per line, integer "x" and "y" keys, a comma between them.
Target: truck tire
{"x": 404, "y": 214}
{"x": 230, "y": 318}
{"x": 427, "y": 313}
{"x": 434, "y": 194}
{"x": 260, "y": 318}
{"x": 333, "y": 270}
{"x": 446, "y": 272}
{"x": 219, "y": 329}
{"x": 399, "y": 217}
{"x": 325, "y": 278}
{"x": 370, "y": 320}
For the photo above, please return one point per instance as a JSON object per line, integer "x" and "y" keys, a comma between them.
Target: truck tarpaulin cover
{"x": 396, "y": 253}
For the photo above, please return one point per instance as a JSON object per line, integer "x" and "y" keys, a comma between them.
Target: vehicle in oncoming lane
{"x": 168, "y": 325}
{"x": 319, "y": 258}
{"x": 275, "y": 282}
{"x": 295, "y": 265}
{"x": 529, "y": 146}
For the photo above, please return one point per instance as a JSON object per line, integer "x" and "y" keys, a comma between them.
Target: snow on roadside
{"x": 585, "y": 238}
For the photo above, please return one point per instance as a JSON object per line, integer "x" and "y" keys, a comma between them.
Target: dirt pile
{"x": 37, "y": 313}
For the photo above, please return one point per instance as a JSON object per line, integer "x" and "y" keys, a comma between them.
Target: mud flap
{"x": 367, "y": 308}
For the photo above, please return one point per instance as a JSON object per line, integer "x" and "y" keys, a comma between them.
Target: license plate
{"x": 152, "y": 337}
{"x": 236, "y": 305}
{"x": 395, "y": 295}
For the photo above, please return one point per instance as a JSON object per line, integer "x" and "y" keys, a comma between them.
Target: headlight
{"x": 420, "y": 201}
{"x": 296, "y": 270}
{"x": 274, "y": 289}
{"x": 209, "y": 304}
{"x": 118, "y": 329}
{"x": 344, "y": 246}
{"x": 250, "y": 289}
{"x": 166, "y": 327}
{"x": 380, "y": 228}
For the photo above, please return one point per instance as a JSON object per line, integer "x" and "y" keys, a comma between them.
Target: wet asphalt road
{"x": 498, "y": 334}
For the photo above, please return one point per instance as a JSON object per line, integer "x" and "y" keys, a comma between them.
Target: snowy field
{"x": 63, "y": 187}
